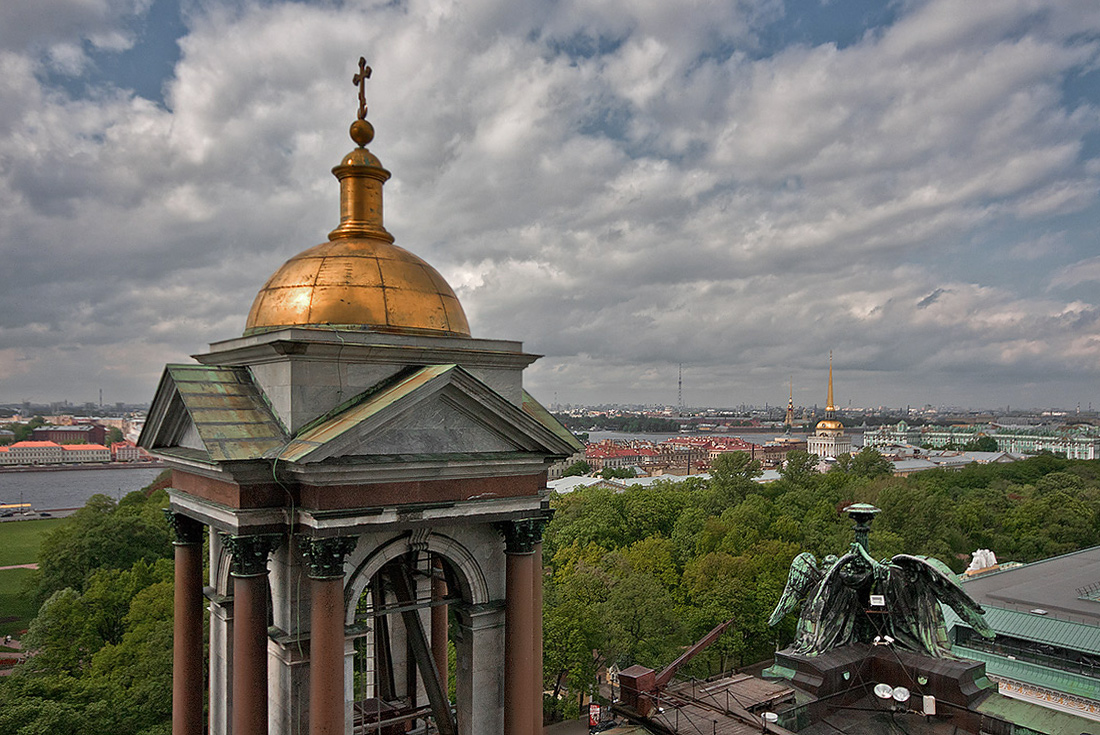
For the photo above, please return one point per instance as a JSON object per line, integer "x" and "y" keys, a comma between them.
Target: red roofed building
{"x": 72, "y": 453}
{"x": 127, "y": 451}
{"x": 34, "y": 452}
{"x": 612, "y": 455}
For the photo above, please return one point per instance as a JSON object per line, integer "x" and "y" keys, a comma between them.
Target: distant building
{"x": 127, "y": 451}
{"x": 1072, "y": 443}
{"x": 47, "y": 453}
{"x": 828, "y": 439}
{"x": 75, "y": 434}
{"x": 73, "y": 453}
{"x": 31, "y": 452}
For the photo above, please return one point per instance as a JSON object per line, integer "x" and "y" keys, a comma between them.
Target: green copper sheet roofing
{"x": 538, "y": 412}
{"x": 1040, "y": 628}
{"x": 1036, "y": 717}
{"x": 227, "y": 410}
{"x": 1026, "y": 672}
{"x": 345, "y": 418}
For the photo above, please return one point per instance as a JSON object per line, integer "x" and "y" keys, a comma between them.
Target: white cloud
{"x": 624, "y": 186}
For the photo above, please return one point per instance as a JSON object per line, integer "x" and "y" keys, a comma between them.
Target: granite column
{"x": 249, "y": 572}
{"x": 187, "y": 660}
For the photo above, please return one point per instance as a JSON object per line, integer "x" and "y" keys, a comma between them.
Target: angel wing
{"x": 940, "y": 582}
{"x": 804, "y": 574}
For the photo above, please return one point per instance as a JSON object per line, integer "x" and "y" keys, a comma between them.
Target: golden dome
{"x": 359, "y": 279}
{"x": 358, "y": 283}
{"x": 829, "y": 425}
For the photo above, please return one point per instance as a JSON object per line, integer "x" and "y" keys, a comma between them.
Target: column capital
{"x": 185, "y": 530}
{"x": 250, "y": 553}
{"x": 325, "y": 556}
{"x": 521, "y": 536}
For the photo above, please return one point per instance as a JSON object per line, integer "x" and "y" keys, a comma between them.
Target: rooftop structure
{"x": 1046, "y": 616}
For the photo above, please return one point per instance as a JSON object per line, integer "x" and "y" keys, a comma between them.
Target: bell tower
{"x": 370, "y": 480}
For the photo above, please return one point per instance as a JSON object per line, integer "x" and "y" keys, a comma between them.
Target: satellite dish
{"x": 884, "y": 691}
{"x": 901, "y": 694}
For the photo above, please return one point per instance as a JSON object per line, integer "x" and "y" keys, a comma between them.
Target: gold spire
{"x": 829, "y": 426}
{"x": 359, "y": 279}
{"x": 788, "y": 420}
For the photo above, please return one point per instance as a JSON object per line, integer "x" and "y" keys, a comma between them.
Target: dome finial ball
{"x": 362, "y": 132}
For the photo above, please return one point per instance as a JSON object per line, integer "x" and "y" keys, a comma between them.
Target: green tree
{"x": 870, "y": 463}
{"x": 101, "y": 535}
{"x": 981, "y": 444}
{"x": 114, "y": 434}
{"x": 732, "y": 477}
{"x": 577, "y": 468}
{"x": 800, "y": 469}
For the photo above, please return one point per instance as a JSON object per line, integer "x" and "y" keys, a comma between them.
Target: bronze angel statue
{"x": 837, "y": 609}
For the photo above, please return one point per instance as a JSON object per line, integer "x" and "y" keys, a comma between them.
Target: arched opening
{"x": 412, "y": 661}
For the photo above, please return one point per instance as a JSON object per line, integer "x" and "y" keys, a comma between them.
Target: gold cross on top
{"x": 361, "y": 79}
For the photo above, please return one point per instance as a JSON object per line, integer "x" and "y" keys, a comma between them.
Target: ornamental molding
{"x": 186, "y": 530}
{"x": 325, "y": 556}
{"x": 520, "y": 537}
{"x": 250, "y": 553}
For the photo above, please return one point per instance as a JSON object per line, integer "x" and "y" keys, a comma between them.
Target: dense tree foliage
{"x": 634, "y": 576}
{"x": 102, "y": 639}
{"x": 102, "y": 535}
{"x": 631, "y": 423}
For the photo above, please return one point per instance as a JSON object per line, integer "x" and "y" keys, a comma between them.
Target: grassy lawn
{"x": 12, "y": 603}
{"x": 19, "y": 540}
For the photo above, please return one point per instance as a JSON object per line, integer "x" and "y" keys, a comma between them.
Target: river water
{"x": 53, "y": 490}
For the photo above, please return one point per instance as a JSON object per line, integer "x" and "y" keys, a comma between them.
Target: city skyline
{"x": 624, "y": 188}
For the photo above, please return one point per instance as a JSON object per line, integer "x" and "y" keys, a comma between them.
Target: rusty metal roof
{"x": 227, "y": 410}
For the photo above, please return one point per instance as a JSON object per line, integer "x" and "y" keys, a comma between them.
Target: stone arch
{"x": 475, "y": 589}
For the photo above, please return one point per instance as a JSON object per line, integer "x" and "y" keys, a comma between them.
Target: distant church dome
{"x": 359, "y": 279}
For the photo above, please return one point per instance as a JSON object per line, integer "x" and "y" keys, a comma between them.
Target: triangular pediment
{"x": 435, "y": 411}
{"x": 210, "y": 413}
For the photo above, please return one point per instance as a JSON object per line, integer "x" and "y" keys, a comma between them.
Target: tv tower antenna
{"x": 680, "y": 389}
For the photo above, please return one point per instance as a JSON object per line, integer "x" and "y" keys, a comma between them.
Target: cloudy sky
{"x": 623, "y": 185}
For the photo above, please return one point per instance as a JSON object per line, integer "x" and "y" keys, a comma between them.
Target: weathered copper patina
{"x": 837, "y": 606}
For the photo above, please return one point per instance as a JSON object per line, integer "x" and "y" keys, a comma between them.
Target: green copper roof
{"x": 1026, "y": 672}
{"x": 1039, "y": 628}
{"x": 227, "y": 411}
{"x": 1036, "y": 717}
{"x": 538, "y": 412}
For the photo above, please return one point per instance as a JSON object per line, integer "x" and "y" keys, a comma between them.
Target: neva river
{"x": 52, "y": 490}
